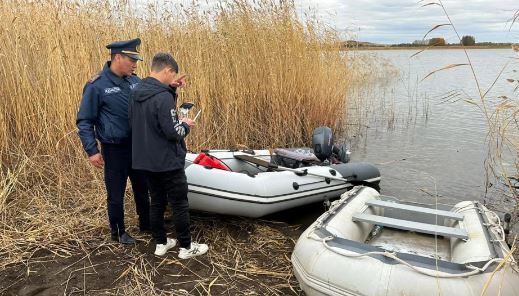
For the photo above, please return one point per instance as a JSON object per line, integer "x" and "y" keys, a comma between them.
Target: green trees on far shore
{"x": 468, "y": 40}
{"x": 437, "y": 41}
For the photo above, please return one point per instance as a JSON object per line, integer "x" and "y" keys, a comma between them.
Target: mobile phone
{"x": 187, "y": 105}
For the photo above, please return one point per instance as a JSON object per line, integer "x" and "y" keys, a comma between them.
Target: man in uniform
{"x": 103, "y": 114}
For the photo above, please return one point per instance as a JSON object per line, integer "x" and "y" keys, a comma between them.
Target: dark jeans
{"x": 118, "y": 167}
{"x": 169, "y": 187}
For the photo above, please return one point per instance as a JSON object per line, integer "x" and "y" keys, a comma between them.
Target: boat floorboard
{"x": 412, "y": 243}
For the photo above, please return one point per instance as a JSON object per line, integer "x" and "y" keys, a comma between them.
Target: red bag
{"x": 210, "y": 161}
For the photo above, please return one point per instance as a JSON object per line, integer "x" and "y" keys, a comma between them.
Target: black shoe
{"x": 124, "y": 239}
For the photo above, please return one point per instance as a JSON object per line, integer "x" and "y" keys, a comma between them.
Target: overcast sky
{"x": 396, "y": 21}
{"x": 403, "y": 21}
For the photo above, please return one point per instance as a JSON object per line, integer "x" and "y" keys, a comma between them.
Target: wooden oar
{"x": 269, "y": 165}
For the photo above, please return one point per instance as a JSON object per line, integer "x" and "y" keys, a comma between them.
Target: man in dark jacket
{"x": 103, "y": 114}
{"x": 160, "y": 150}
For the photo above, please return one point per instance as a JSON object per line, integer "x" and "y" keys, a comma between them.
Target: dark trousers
{"x": 169, "y": 187}
{"x": 118, "y": 167}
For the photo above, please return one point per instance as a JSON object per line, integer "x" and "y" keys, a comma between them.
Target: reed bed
{"x": 262, "y": 76}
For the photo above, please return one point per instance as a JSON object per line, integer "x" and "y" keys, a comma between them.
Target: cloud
{"x": 395, "y": 21}
{"x": 399, "y": 21}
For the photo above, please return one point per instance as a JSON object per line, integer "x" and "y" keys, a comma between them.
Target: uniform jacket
{"x": 157, "y": 134}
{"x": 103, "y": 113}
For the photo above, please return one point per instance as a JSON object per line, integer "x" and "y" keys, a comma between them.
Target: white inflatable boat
{"x": 250, "y": 185}
{"x": 368, "y": 244}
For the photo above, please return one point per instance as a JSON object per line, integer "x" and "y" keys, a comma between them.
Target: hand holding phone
{"x": 189, "y": 122}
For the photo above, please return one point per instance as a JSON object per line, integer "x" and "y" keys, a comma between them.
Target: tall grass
{"x": 262, "y": 77}
{"x": 250, "y": 69}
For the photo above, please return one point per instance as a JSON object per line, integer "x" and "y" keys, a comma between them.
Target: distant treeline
{"x": 483, "y": 44}
{"x": 421, "y": 43}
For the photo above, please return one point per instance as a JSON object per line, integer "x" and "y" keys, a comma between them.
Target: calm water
{"x": 424, "y": 141}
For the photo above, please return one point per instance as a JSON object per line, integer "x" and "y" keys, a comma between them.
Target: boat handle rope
{"x": 392, "y": 255}
{"x": 492, "y": 226}
{"x": 497, "y": 225}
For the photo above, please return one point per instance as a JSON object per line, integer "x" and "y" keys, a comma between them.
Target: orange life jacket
{"x": 210, "y": 161}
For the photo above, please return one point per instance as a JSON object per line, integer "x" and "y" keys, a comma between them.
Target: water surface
{"x": 426, "y": 139}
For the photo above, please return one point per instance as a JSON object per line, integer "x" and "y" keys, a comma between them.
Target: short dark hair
{"x": 162, "y": 60}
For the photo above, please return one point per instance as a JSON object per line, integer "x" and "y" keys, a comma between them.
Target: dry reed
{"x": 262, "y": 76}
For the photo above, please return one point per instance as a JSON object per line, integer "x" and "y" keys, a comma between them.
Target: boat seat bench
{"x": 411, "y": 225}
{"x": 422, "y": 210}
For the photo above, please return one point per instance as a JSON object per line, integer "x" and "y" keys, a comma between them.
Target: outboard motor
{"x": 322, "y": 142}
{"x": 341, "y": 153}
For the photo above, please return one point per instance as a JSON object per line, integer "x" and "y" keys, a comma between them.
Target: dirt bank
{"x": 246, "y": 257}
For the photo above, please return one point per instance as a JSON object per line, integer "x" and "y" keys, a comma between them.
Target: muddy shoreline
{"x": 246, "y": 257}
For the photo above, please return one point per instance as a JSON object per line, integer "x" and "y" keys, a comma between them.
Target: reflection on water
{"x": 423, "y": 135}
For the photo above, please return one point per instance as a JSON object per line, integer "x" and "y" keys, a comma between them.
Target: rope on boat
{"x": 475, "y": 270}
{"x": 496, "y": 228}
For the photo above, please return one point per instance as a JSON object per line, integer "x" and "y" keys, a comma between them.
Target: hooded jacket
{"x": 157, "y": 134}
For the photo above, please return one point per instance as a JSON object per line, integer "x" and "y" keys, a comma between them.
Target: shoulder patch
{"x": 94, "y": 78}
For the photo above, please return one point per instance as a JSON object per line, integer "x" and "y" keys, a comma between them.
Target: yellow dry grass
{"x": 261, "y": 77}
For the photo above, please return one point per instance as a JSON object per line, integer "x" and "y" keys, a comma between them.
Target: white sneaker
{"x": 195, "y": 250}
{"x": 161, "y": 249}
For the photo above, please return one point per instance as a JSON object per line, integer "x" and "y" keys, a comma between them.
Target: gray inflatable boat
{"x": 250, "y": 183}
{"x": 369, "y": 244}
